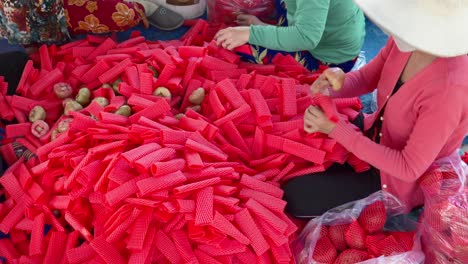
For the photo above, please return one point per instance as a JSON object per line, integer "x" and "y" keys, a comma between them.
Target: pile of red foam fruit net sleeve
{"x": 149, "y": 187}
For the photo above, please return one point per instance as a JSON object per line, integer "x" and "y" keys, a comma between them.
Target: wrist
{"x": 330, "y": 127}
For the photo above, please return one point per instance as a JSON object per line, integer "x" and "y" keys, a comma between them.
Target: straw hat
{"x": 438, "y": 27}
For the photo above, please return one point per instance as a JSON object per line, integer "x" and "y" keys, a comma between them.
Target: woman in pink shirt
{"x": 422, "y": 80}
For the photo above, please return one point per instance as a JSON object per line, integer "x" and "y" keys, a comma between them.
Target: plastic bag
{"x": 344, "y": 221}
{"x": 226, "y": 11}
{"x": 444, "y": 227}
{"x": 465, "y": 157}
{"x": 369, "y": 100}
{"x": 360, "y": 62}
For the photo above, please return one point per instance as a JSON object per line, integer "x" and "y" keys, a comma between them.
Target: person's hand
{"x": 247, "y": 20}
{"x": 333, "y": 77}
{"x": 316, "y": 121}
{"x": 232, "y": 37}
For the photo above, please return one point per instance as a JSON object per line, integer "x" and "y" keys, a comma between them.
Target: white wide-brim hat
{"x": 438, "y": 27}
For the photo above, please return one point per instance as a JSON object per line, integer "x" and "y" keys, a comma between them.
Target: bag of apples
{"x": 226, "y": 11}
{"x": 373, "y": 230}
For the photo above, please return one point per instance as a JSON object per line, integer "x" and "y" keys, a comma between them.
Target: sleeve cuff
{"x": 337, "y": 94}
{"x": 257, "y": 34}
{"x": 253, "y": 35}
{"x": 345, "y": 134}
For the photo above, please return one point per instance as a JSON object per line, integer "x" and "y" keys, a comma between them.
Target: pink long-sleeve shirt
{"x": 425, "y": 120}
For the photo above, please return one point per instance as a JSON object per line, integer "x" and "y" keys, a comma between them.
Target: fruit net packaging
{"x": 371, "y": 230}
{"x": 444, "y": 226}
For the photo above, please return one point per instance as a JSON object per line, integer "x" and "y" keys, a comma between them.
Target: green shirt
{"x": 332, "y": 31}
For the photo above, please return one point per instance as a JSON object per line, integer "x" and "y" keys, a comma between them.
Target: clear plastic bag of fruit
{"x": 444, "y": 227}
{"x": 226, "y": 11}
{"x": 373, "y": 230}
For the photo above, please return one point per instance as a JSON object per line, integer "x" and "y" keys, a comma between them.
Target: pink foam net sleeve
{"x": 150, "y": 185}
{"x": 248, "y": 226}
{"x": 204, "y": 206}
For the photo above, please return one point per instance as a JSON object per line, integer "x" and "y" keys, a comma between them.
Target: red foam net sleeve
{"x": 225, "y": 190}
{"x": 327, "y": 105}
{"x": 235, "y": 136}
{"x": 150, "y": 185}
{"x": 288, "y": 98}
{"x": 8, "y": 250}
{"x": 115, "y": 71}
{"x": 284, "y": 172}
{"x": 12, "y": 186}
{"x": 216, "y": 105}
{"x": 153, "y": 111}
{"x": 270, "y": 202}
{"x": 211, "y": 63}
{"x": 231, "y": 93}
{"x": 190, "y": 70}
{"x": 204, "y": 206}
{"x": 106, "y": 45}
{"x": 146, "y": 83}
{"x": 144, "y": 163}
{"x": 141, "y": 151}
{"x": 194, "y": 161}
{"x": 165, "y": 245}
{"x": 123, "y": 191}
{"x": 166, "y": 75}
{"x": 265, "y": 215}
{"x": 107, "y": 251}
{"x": 248, "y": 226}
{"x": 56, "y": 248}
{"x": 97, "y": 70}
{"x": 123, "y": 226}
{"x": 46, "y": 61}
{"x": 166, "y": 167}
{"x": 183, "y": 246}
{"x": 131, "y": 42}
{"x": 196, "y": 186}
{"x": 186, "y": 52}
{"x": 205, "y": 258}
{"x": 36, "y": 246}
{"x": 15, "y": 214}
{"x": 261, "y": 186}
{"x": 80, "y": 254}
{"x": 226, "y": 227}
{"x": 206, "y": 150}
{"x": 75, "y": 224}
{"x": 47, "y": 81}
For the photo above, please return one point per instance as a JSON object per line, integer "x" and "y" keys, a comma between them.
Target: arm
{"x": 438, "y": 115}
{"x": 305, "y": 34}
{"x": 366, "y": 79}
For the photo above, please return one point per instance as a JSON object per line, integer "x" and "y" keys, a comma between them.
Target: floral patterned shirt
{"x": 29, "y": 22}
